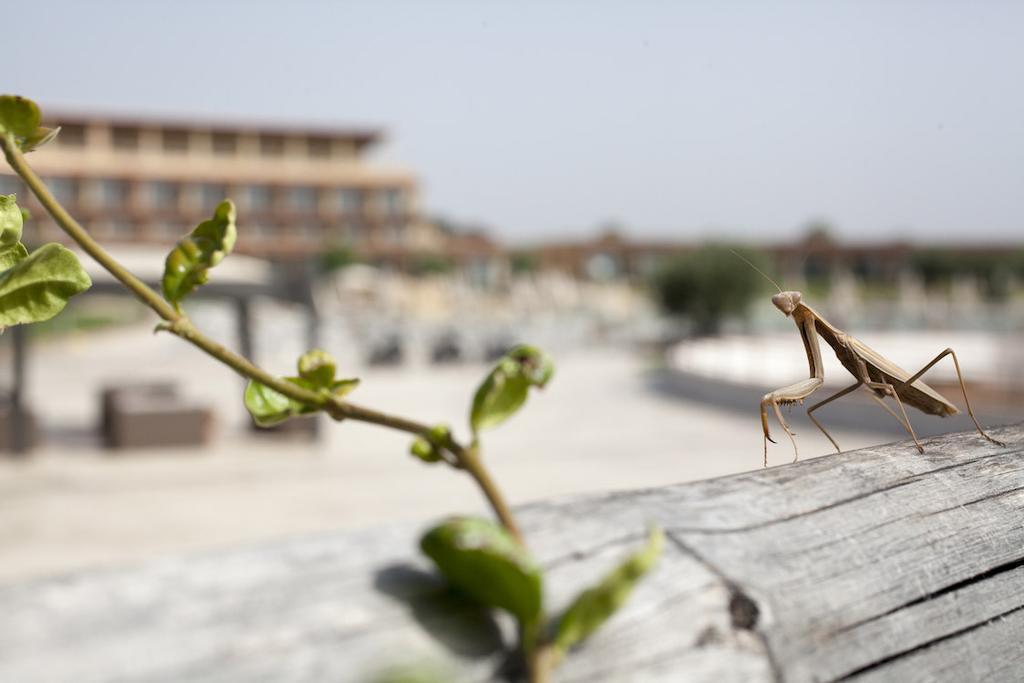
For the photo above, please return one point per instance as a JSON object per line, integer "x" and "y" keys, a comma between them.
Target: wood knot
{"x": 743, "y": 611}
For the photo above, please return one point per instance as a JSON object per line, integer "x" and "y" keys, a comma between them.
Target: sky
{"x": 545, "y": 120}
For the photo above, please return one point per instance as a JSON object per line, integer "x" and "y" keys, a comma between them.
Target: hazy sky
{"x": 539, "y": 119}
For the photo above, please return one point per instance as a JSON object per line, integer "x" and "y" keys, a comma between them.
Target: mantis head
{"x": 786, "y": 301}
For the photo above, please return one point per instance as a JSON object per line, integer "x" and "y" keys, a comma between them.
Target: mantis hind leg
{"x": 905, "y": 421}
{"x": 889, "y": 390}
{"x": 963, "y": 389}
{"x": 838, "y": 394}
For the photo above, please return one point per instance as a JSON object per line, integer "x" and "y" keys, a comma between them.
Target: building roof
{"x": 358, "y": 135}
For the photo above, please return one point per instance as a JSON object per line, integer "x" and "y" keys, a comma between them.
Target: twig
{"x": 465, "y": 458}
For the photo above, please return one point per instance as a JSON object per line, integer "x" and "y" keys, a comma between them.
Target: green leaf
{"x": 505, "y": 389}
{"x": 594, "y": 606}
{"x": 317, "y": 367}
{"x": 12, "y": 256}
{"x": 11, "y": 219}
{"x": 425, "y": 451}
{"x": 344, "y": 386}
{"x": 188, "y": 264}
{"x": 267, "y": 406}
{"x": 482, "y": 559}
{"x": 296, "y": 407}
{"x": 39, "y": 286}
{"x": 428, "y": 448}
{"x": 40, "y": 137}
{"x": 19, "y": 116}
{"x": 316, "y": 374}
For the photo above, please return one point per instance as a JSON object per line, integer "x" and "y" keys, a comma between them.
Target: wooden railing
{"x": 878, "y": 564}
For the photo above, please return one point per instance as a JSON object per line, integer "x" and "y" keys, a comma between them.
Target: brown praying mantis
{"x": 873, "y": 371}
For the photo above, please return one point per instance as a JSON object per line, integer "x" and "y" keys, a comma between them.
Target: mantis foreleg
{"x": 794, "y": 393}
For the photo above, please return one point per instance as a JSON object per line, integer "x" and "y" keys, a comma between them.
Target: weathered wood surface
{"x": 872, "y": 565}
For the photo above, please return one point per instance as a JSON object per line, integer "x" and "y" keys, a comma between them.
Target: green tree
{"x": 523, "y": 262}
{"x": 336, "y": 257}
{"x": 429, "y": 264}
{"x": 707, "y": 284}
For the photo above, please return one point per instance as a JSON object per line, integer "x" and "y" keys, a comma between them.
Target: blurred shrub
{"x": 336, "y": 257}
{"x": 523, "y": 262}
{"x": 707, "y": 284}
{"x": 994, "y": 272}
{"x": 429, "y": 264}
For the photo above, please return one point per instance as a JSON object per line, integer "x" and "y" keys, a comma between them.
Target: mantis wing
{"x": 918, "y": 394}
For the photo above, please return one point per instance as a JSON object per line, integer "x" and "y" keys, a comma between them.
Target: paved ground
{"x": 599, "y": 426}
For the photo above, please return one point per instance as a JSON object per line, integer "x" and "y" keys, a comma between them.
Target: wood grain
{"x": 872, "y": 565}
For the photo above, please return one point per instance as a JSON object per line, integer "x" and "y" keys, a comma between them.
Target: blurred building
{"x": 609, "y": 256}
{"x": 613, "y": 255}
{"x": 299, "y": 190}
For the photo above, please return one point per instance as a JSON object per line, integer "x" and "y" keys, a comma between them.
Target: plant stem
{"x": 540, "y": 662}
{"x": 17, "y": 162}
{"x": 177, "y": 323}
{"x": 467, "y": 459}
{"x": 470, "y": 460}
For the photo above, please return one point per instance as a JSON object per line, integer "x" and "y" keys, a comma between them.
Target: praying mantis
{"x": 871, "y": 370}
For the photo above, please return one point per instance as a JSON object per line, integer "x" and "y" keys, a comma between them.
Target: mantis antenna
{"x": 747, "y": 261}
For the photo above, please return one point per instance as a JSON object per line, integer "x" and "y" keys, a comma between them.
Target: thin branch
{"x": 17, "y": 162}
{"x": 472, "y": 463}
{"x": 180, "y": 325}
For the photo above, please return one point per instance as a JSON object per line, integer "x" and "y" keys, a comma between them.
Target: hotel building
{"x": 299, "y": 190}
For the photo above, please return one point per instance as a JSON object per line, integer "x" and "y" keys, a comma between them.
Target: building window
{"x": 271, "y": 145}
{"x": 301, "y": 198}
{"x": 258, "y": 197}
{"x": 175, "y": 140}
{"x": 125, "y": 137}
{"x": 71, "y": 135}
{"x": 164, "y": 194}
{"x": 346, "y": 200}
{"x": 319, "y": 147}
{"x": 9, "y": 185}
{"x": 391, "y": 201}
{"x": 112, "y": 192}
{"x": 309, "y": 232}
{"x": 225, "y": 144}
{"x": 64, "y": 189}
{"x": 211, "y": 194}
